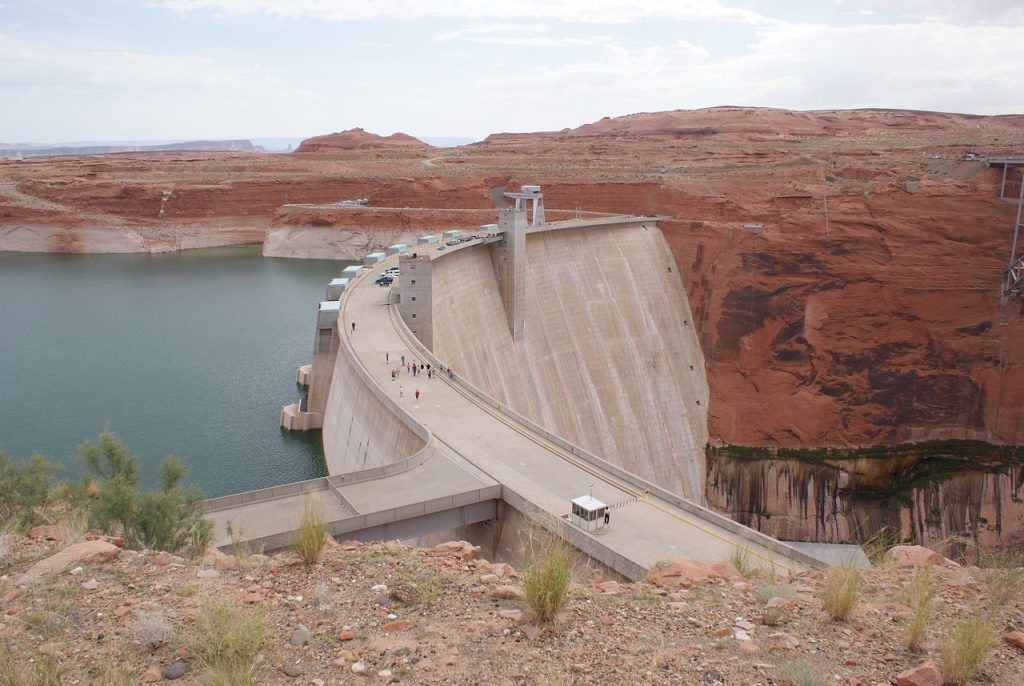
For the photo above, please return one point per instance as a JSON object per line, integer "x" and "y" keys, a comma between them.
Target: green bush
{"x": 25, "y": 487}
{"x": 170, "y": 518}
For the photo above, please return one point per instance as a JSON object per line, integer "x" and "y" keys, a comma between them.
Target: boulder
{"x": 906, "y": 556}
{"x": 782, "y": 641}
{"x": 464, "y": 549}
{"x": 608, "y": 588}
{"x": 1015, "y": 638}
{"x": 300, "y": 636}
{"x": 398, "y": 625}
{"x": 84, "y": 552}
{"x": 507, "y": 593}
{"x": 674, "y": 571}
{"x": 114, "y": 540}
{"x": 220, "y": 560}
{"x": 175, "y": 670}
{"x": 925, "y": 674}
{"x": 45, "y": 533}
{"x": 503, "y": 569}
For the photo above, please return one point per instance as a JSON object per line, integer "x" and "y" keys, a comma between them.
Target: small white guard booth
{"x": 588, "y": 512}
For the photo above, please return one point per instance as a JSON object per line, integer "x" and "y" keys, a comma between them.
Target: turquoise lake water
{"x": 191, "y": 354}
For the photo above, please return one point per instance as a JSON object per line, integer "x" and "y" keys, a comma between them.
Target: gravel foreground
{"x": 390, "y": 613}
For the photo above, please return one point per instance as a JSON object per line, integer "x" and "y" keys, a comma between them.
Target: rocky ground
{"x": 389, "y": 613}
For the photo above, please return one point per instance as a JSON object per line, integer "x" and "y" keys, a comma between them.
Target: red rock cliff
{"x": 885, "y": 328}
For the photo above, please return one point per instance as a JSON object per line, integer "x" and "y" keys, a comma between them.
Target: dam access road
{"x": 475, "y": 456}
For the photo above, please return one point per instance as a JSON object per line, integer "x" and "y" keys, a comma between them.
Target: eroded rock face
{"x": 834, "y": 501}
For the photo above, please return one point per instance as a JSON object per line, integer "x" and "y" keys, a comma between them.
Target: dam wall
{"x": 609, "y": 359}
{"x": 363, "y": 428}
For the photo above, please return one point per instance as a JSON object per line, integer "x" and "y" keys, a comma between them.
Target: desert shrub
{"x": 842, "y": 591}
{"x": 311, "y": 536}
{"x": 170, "y": 518}
{"x": 241, "y": 547}
{"x": 797, "y": 673}
{"x": 546, "y": 580}
{"x": 740, "y": 559}
{"x": 235, "y": 674}
{"x": 772, "y": 616}
{"x": 920, "y": 594}
{"x": 25, "y": 487}
{"x": 968, "y": 645}
{"x": 878, "y": 544}
{"x": 224, "y": 641}
{"x": 1004, "y": 576}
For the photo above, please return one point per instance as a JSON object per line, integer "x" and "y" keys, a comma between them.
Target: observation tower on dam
{"x": 574, "y": 370}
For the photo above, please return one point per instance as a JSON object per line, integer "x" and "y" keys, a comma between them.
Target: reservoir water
{"x": 191, "y": 354}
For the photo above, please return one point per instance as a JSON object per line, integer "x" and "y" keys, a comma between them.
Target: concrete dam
{"x": 576, "y": 378}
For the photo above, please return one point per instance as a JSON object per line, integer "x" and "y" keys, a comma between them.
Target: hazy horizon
{"x": 126, "y": 70}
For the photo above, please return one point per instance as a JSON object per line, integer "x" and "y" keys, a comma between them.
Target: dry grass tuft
{"x": 42, "y": 671}
{"x": 224, "y": 641}
{"x": 310, "y": 538}
{"x": 920, "y": 596}
{"x": 797, "y": 673}
{"x": 1004, "y": 576}
{"x": 967, "y": 647}
{"x": 878, "y": 544}
{"x": 842, "y": 591}
{"x": 740, "y": 559}
{"x": 546, "y": 580}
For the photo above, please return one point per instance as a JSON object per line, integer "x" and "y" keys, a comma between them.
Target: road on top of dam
{"x": 643, "y": 528}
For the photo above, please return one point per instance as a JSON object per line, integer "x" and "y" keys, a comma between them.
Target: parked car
{"x": 384, "y": 279}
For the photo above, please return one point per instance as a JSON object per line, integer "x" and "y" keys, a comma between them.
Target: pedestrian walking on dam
{"x": 387, "y": 357}
{"x": 417, "y": 394}
{"x": 401, "y": 391}
{"x": 353, "y": 327}
{"x": 430, "y": 375}
{"x": 403, "y": 360}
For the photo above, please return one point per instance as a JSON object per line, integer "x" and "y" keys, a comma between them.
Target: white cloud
{"x": 595, "y": 11}
{"x": 511, "y": 34}
{"x": 1006, "y": 12}
{"x": 801, "y": 66}
{"x": 44, "y": 65}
